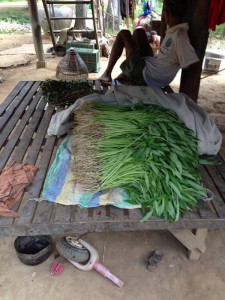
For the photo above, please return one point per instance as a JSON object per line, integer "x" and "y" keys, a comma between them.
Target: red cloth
{"x": 139, "y": 20}
{"x": 14, "y": 178}
{"x": 216, "y": 13}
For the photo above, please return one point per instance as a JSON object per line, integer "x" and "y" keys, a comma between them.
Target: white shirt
{"x": 175, "y": 53}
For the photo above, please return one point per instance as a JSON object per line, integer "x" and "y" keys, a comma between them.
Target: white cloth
{"x": 175, "y": 53}
{"x": 194, "y": 117}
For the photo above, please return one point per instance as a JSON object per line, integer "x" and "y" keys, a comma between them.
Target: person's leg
{"x": 134, "y": 65}
{"x": 141, "y": 40}
{"x": 123, "y": 40}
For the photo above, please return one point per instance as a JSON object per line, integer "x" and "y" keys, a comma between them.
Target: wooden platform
{"x": 24, "y": 119}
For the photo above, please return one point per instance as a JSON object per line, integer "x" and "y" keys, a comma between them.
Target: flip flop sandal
{"x": 209, "y": 197}
{"x": 153, "y": 260}
{"x": 57, "y": 266}
{"x": 105, "y": 83}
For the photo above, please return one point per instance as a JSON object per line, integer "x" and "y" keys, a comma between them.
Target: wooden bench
{"x": 24, "y": 119}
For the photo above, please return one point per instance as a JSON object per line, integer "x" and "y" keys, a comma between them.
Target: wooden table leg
{"x": 193, "y": 241}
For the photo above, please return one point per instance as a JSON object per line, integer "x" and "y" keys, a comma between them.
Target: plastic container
{"x": 91, "y": 57}
{"x": 214, "y": 61}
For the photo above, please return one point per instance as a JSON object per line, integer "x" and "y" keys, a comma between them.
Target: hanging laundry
{"x": 14, "y": 178}
{"x": 123, "y": 8}
{"x": 216, "y": 14}
{"x": 147, "y": 8}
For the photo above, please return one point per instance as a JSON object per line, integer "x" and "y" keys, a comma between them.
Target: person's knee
{"x": 125, "y": 37}
{"x": 124, "y": 33}
{"x": 139, "y": 30}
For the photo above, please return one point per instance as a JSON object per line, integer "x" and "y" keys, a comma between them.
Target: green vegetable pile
{"x": 62, "y": 93}
{"x": 147, "y": 150}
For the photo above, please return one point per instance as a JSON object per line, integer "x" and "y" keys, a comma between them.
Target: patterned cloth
{"x": 60, "y": 185}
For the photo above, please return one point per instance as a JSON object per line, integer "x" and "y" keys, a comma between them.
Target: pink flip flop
{"x": 57, "y": 266}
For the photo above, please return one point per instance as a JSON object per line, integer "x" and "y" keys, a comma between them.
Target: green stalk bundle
{"x": 62, "y": 93}
{"x": 146, "y": 150}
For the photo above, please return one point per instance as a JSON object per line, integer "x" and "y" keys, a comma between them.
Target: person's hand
{"x": 156, "y": 41}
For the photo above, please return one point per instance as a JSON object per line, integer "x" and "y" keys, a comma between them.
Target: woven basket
{"x": 72, "y": 67}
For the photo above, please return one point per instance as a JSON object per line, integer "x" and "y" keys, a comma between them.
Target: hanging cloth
{"x": 216, "y": 13}
{"x": 14, "y": 178}
{"x": 146, "y": 8}
{"x": 123, "y": 9}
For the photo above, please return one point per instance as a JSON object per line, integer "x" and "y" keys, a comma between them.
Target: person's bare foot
{"x": 105, "y": 79}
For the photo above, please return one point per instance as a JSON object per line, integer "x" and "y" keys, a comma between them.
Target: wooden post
{"x": 36, "y": 31}
{"x": 198, "y": 33}
{"x": 127, "y": 12}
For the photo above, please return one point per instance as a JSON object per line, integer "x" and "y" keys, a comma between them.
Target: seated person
{"x": 152, "y": 36}
{"x": 154, "y": 41}
{"x": 147, "y": 29}
{"x": 141, "y": 65}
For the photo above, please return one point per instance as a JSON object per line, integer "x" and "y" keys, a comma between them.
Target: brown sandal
{"x": 153, "y": 260}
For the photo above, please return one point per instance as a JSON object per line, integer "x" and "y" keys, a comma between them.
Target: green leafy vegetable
{"x": 146, "y": 150}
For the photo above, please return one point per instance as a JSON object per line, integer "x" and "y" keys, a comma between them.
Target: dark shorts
{"x": 133, "y": 67}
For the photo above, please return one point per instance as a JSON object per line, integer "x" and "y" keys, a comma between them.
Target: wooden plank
{"x": 43, "y": 165}
{"x": 98, "y": 214}
{"x": 220, "y": 169}
{"x": 61, "y": 213}
{"x": 85, "y": 226}
{"x": 15, "y": 136}
{"x": 135, "y": 214}
{"x": 12, "y": 95}
{"x": 79, "y": 215}
{"x": 205, "y": 210}
{"x": 23, "y": 98}
{"x": 191, "y": 215}
{"x": 12, "y": 116}
{"x": 209, "y": 181}
{"x": 29, "y": 130}
{"x": 116, "y": 213}
{"x": 43, "y": 213}
{"x": 29, "y": 207}
{"x": 35, "y": 147}
{"x": 26, "y": 211}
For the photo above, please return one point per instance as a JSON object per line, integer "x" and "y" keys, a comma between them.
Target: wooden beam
{"x": 36, "y": 31}
{"x": 198, "y": 33}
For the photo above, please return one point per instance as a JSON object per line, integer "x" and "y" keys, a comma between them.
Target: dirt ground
{"x": 125, "y": 254}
